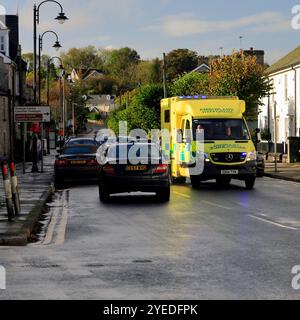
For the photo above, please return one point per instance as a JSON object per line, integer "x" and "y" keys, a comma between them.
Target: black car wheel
{"x": 58, "y": 181}
{"x": 104, "y": 196}
{"x": 250, "y": 183}
{"x": 163, "y": 195}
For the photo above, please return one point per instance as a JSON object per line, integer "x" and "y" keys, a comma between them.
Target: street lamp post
{"x": 48, "y": 87}
{"x": 56, "y": 45}
{"x": 61, "y": 18}
{"x": 48, "y": 75}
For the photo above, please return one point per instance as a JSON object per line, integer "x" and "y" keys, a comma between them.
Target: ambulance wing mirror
{"x": 179, "y": 136}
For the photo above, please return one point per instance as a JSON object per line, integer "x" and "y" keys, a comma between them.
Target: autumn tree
{"x": 240, "y": 75}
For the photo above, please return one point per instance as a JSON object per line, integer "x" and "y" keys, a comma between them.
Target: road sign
{"x": 32, "y": 114}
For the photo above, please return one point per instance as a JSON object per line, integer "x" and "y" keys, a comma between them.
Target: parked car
{"x": 82, "y": 141}
{"x": 76, "y": 162}
{"x": 125, "y": 173}
{"x": 260, "y": 165}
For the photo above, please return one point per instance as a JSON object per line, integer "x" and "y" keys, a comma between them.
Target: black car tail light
{"x": 61, "y": 163}
{"x": 161, "y": 168}
{"x": 93, "y": 162}
{"x": 109, "y": 170}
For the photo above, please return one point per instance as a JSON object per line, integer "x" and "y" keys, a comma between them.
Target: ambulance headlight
{"x": 251, "y": 156}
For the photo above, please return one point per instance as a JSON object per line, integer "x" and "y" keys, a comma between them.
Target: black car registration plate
{"x": 136, "y": 168}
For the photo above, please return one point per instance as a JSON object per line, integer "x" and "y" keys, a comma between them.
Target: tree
{"x": 28, "y": 57}
{"x": 180, "y": 61}
{"x": 156, "y": 71}
{"x": 82, "y": 58}
{"x": 240, "y": 75}
{"x": 143, "y": 111}
{"x": 122, "y": 64}
{"x": 190, "y": 84}
{"x": 99, "y": 85}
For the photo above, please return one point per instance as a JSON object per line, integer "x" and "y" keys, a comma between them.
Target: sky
{"x": 155, "y": 26}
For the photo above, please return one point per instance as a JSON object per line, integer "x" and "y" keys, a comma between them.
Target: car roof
{"x": 80, "y": 146}
{"x": 131, "y": 143}
{"x": 80, "y": 139}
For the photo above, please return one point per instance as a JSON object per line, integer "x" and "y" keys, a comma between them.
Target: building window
{"x": 285, "y": 87}
{"x": 2, "y": 44}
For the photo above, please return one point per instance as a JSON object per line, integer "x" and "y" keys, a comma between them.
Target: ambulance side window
{"x": 188, "y": 132}
{"x": 167, "y": 116}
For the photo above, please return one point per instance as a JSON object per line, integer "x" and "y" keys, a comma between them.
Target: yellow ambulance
{"x": 225, "y": 147}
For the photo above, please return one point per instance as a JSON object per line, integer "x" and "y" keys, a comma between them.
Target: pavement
{"x": 285, "y": 171}
{"x": 35, "y": 189}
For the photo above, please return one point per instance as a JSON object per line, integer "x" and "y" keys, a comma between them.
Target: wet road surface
{"x": 209, "y": 243}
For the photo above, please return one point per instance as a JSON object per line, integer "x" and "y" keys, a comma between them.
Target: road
{"x": 205, "y": 244}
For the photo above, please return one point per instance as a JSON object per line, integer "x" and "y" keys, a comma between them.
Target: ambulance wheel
{"x": 250, "y": 183}
{"x": 195, "y": 181}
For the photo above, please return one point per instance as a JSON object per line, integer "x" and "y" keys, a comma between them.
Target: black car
{"x": 260, "y": 169}
{"x": 76, "y": 162}
{"x": 82, "y": 141}
{"x": 133, "y": 166}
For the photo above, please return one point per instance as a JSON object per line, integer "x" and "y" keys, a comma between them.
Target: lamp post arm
{"x": 42, "y": 36}
{"x": 37, "y": 17}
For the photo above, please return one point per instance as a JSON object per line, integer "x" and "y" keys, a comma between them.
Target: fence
{"x": 269, "y": 147}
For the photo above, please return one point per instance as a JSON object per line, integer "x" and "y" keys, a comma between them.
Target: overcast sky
{"x": 156, "y": 26}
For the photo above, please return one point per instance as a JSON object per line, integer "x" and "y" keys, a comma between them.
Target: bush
{"x": 190, "y": 84}
{"x": 94, "y": 116}
{"x": 143, "y": 111}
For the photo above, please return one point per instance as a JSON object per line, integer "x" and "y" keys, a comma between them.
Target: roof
{"x": 291, "y": 59}
{"x": 86, "y": 73}
{"x": 202, "y": 68}
{"x": 97, "y": 100}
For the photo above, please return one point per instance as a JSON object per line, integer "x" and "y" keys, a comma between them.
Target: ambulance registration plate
{"x": 226, "y": 172}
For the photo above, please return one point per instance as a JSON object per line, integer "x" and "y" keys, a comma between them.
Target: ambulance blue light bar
{"x": 192, "y": 97}
{"x": 203, "y": 97}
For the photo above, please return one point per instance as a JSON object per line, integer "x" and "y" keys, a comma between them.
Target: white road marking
{"x": 216, "y": 205}
{"x": 56, "y": 226}
{"x": 61, "y": 235}
{"x": 271, "y": 222}
{"x": 182, "y": 195}
{"x": 51, "y": 228}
